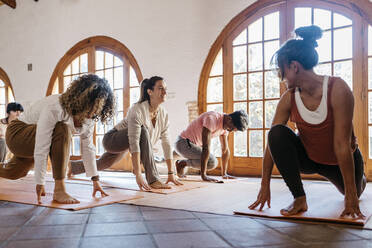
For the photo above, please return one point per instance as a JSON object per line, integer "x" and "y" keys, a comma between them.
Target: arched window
{"x": 107, "y": 58}
{"x": 6, "y": 92}
{"x": 238, "y": 74}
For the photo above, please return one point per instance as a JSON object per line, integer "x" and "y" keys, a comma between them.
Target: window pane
{"x": 240, "y": 106}
{"x": 67, "y": 70}
{"x": 240, "y": 144}
{"x": 240, "y": 87}
{"x": 75, "y": 66}
{"x": 133, "y": 77}
{"x": 266, "y": 136}
{"x": 215, "y": 107}
{"x": 118, "y": 117}
{"x": 10, "y": 95}
{"x": 99, "y": 60}
{"x": 134, "y": 95}
{"x": 344, "y": 70}
{"x": 109, "y": 60}
{"x": 269, "y": 49}
{"x": 216, "y": 147}
{"x": 270, "y": 107}
{"x": 323, "y": 69}
{"x": 255, "y": 143}
{"x": 240, "y": 59}
{"x": 109, "y": 77}
{"x": 118, "y": 78}
{"x": 272, "y": 85}
{"x": 66, "y": 82}
{"x": 217, "y": 68}
{"x": 99, "y": 146}
{"x": 302, "y": 17}
{"x": 84, "y": 63}
{"x": 2, "y": 96}
{"x": 241, "y": 38}
{"x": 255, "y": 114}
{"x": 369, "y": 40}
{"x": 255, "y": 31}
{"x": 76, "y": 145}
{"x": 370, "y": 107}
{"x": 214, "y": 90}
{"x": 322, "y": 18}
{"x": 340, "y": 20}
{"x": 119, "y": 99}
{"x": 324, "y": 48}
{"x": 100, "y": 74}
{"x": 369, "y": 73}
{"x": 2, "y": 84}
{"x": 343, "y": 44}
{"x": 117, "y": 61}
{"x": 109, "y": 125}
{"x": 255, "y": 85}
{"x": 2, "y": 111}
{"x": 271, "y": 26}
{"x": 100, "y": 128}
{"x": 255, "y": 57}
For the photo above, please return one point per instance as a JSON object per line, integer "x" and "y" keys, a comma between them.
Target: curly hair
{"x": 89, "y": 94}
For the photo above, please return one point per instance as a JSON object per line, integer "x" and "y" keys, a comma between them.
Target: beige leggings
{"x": 20, "y": 138}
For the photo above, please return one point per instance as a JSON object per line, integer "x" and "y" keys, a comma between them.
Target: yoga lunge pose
{"x": 145, "y": 124}
{"x": 13, "y": 110}
{"x": 46, "y": 128}
{"x": 194, "y": 143}
{"x": 322, "y": 109}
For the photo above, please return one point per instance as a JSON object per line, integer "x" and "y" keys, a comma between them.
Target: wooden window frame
{"x": 359, "y": 11}
{"x": 90, "y": 46}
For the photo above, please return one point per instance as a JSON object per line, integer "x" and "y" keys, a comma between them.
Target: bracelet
{"x": 95, "y": 178}
{"x": 170, "y": 172}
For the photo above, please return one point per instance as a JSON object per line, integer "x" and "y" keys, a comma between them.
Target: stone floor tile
{"x": 186, "y": 225}
{"x": 58, "y": 219}
{"x": 55, "y": 243}
{"x": 6, "y": 232}
{"x": 13, "y": 220}
{"x": 221, "y": 223}
{"x": 106, "y": 229}
{"x": 116, "y": 217}
{"x": 167, "y": 215}
{"x": 49, "y": 232}
{"x": 130, "y": 241}
{"x": 115, "y": 208}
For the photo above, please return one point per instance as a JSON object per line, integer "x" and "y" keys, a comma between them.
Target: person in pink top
{"x": 194, "y": 142}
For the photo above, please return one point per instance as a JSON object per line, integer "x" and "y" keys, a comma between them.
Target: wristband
{"x": 171, "y": 173}
{"x": 95, "y": 178}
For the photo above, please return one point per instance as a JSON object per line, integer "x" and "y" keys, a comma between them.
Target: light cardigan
{"x": 138, "y": 116}
{"x": 45, "y": 113}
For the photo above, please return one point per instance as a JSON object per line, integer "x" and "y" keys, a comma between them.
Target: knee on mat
{"x": 212, "y": 163}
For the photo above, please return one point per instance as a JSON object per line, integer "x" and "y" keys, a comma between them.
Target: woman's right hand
{"x": 263, "y": 197}
{"x": 141, "y": 183}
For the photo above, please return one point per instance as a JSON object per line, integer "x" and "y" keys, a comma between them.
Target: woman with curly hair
{"x": 145, "y": 124}
{"x": 322, "y": 108}
{"x": 13, "y": 110}
{"x": 46, "y": 128}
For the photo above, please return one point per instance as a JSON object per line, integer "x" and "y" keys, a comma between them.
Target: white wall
{"x": 170, "y": 38}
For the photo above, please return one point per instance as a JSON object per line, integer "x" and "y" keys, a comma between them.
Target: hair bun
{"x": 309, "y": 34}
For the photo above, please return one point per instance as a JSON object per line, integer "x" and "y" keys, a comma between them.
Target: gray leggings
{"x": 116, "y": 144}
{"x": 3, "y": 150}
{"x": 193, "y": 153}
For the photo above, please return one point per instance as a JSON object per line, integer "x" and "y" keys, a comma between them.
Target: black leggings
{"x": 291, "y": 159}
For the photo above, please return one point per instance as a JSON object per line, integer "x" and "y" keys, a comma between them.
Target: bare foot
{"x": 64, "y": 198}
{"x": 298, "y": 205}
{"x": 226, "y": 176}
{"x": 159, "y": 185}
{"x": 181, "y": 168}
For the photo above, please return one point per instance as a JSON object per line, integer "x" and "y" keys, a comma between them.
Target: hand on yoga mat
{"x": 211, "y": 179}
{"x": 172, "y": 179}
{"x": 97, "y": 188}
{"x": 352, "y": 208}
{"x": 141, "y": 183}
{"x": 40, "y": 191}
{"x": 264, "y": 196}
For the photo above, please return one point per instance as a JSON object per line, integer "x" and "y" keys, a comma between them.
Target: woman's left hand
{"x": 172, "y": 179}
{"x": 97, "y": 188}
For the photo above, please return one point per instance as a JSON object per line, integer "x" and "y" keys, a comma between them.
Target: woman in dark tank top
{"x": 327, "y": 148}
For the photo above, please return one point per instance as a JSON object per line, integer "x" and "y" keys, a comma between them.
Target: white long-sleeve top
{"x": 45, "y": 113}
{"x": 139, "y": 115}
